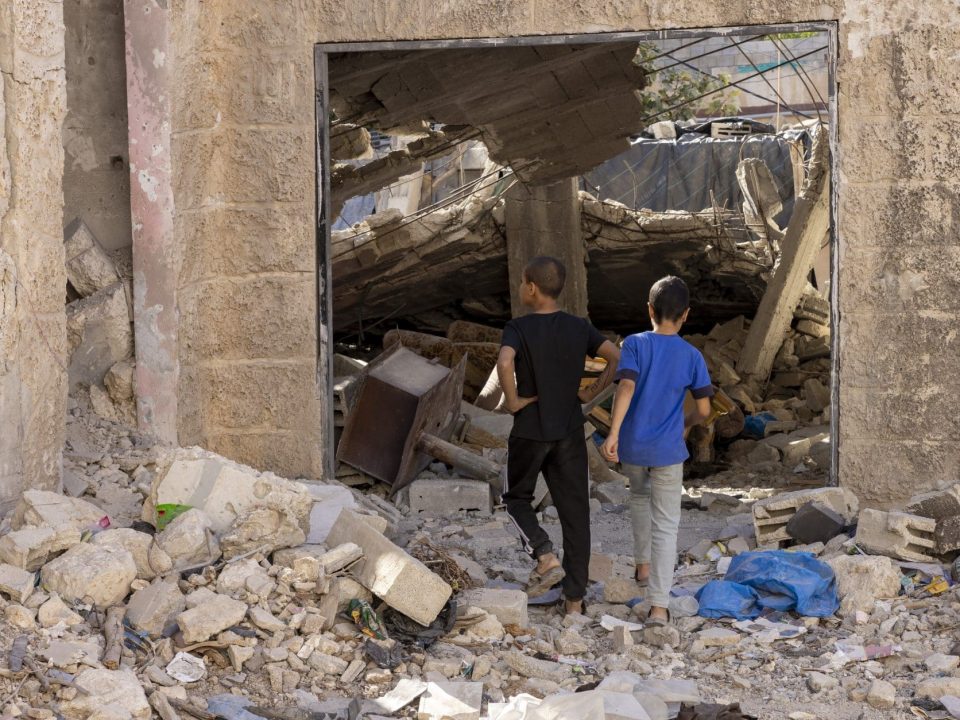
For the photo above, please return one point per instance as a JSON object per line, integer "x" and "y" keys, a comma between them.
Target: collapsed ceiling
{"x": 549, "y": 112}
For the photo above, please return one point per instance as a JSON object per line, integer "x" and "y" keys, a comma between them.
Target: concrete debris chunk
{"x": 99, "y": 335}
{"x": 531, "y": 667}
{"x": 261, "y": 529}
{"x": 444, "y": 497}
{"x": 265, "y": 620}
{"x": 190, "y": 540}
{"x": 815, "y": 522}
{"x": 224, "y": 490}
{"x": 451, "y": 701}
{"x": 937, "y": 504}
{"x": 89, "y": 268}
{"x": 154, "y": 609}
{"x": 508, "y": 606}
{"x": 42, "y": 508}
{"x": 55, "y": 611}
{"x": 16, "y": 583}
{"x": 401, "y": 581}
{"x": 100, "y": 574}
{"x": 770, "y": 516}
{"x": 100, "y": 688}
{"x": 948, "y": 535}
{"x": 340, "y": 557}
{"x": 206, "y": 620}
{"x": 864, "y": 579}
{"x": 896, "y": 534}
{"x": 30, "y": 547}
{"x": 136, "y": 543}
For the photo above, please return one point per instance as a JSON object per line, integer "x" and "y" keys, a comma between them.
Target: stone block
{"x": 99, "y": 334}
{"x": 620, "y": 590}
{"x": 16, "y": 583}
{"x": 797, "y": 449}
{"x": 42, "y": 508}
{"x": 100, "y": 689}
{"x": 816, "y": 395}
{"x": 938, "y": 504}
{"x": 771, "y": 515}
{"x": 340, "y": 557}
{"x": 136, "y": 543}
{"x": 402, "y": 582}
{"x": 206, "y": 620}
{"x": 189, "y": 540}
{"x": 443, "y": 497}
{"x": 896, "y": 534}
{"x": 451, "y": 701}
{"x": 328, "y": 501}
{"x": 154, "y": 609}
{"x": 948, "y": 535}
{"x": 224, "y": 490}
{"x": 31, "y": 547}
{"x": 89, "y": 268}
{"x": 508, "y": 606}
{"x": 815, "y": 522}
{"x": 531, "y": 667}
{"x": 100, "y": 574}
{"x": 261, "y": 528}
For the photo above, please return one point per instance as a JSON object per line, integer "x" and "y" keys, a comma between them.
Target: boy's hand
{"x": 611, "y": 448}
{"x": 516, "y": 405}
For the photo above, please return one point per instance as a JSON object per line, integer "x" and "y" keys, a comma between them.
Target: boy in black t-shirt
{"x": 546, "y": 350}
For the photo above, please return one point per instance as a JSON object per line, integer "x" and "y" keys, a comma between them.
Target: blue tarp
{"x": 771, "y": 580}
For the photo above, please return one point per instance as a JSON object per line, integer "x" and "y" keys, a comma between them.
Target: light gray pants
{"x": 655, "y": 494}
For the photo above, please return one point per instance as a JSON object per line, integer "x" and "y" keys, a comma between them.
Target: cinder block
{"x": 815, "y": 522}
{"x": 402, "y": 582}
{"x": 938, "y": 504}
{"x": 770, "y": 516}
{"x": 443, "y": 497}
{"x": 896, "y": 534}
{"x": 509, "y": 606}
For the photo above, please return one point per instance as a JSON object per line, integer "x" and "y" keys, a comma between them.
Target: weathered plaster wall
{"x": 96, "y": 181}
{"x": 33, "y": 381}
{"x": 242, "y": 175}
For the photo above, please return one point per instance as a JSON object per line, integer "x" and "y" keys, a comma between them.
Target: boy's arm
{"x": 611, "y": 353}
{"x": 700, "y": 413}
{"x": 702, "y": 390}
{"x": 508, "y": 381}
{"x": 621, "y": 402}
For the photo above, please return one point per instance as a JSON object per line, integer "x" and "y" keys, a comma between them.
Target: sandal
{"x": 658, "y": 622}
{"x": 562, "y": 606}
{"x": 539, "y": 584}
{"x": 641, "y": 582}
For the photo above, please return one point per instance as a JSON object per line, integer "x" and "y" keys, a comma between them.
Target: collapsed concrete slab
{"x": 262, "y": 528}
{"x": 223, "y": 489}
{"x": 100, "y": 574}
{"x": 938, "y": 504}
{"x": 770, "y": 516}
{"x": 42, "y": 508}
{"x": 30, "y": 547}
{"x": 897, "y": 534}
{"x": 401, "y": 581}
{"x": 508, "y": 606}
{"x": 444, "y": 497}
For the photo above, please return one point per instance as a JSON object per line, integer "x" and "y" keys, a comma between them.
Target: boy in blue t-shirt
{"x": 648, "y": 432}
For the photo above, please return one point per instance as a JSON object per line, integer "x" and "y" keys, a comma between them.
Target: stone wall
{"x": 243, "y": 168}
{"x": 33, "y": 381}
{"x": 96, "y": 179}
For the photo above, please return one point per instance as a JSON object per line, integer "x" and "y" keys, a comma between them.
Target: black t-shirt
{"x": 550, "y": 352}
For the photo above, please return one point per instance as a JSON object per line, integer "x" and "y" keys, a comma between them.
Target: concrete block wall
{"x": 33, "y": 380}
{"x": 242, "y": 173}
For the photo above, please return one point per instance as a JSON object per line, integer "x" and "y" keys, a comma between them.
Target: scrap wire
{"x": 439, "y": 560}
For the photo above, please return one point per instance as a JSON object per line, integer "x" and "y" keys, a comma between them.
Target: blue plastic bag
{"x": 777, "y": 580}
{"x": 753, "y": 425}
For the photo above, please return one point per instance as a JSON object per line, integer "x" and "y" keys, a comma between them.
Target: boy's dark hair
{"x": 547, "y": 273}
{"x": 670, "y": 298}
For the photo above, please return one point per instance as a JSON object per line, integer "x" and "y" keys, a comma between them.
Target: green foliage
{"x": 679, "y": 86}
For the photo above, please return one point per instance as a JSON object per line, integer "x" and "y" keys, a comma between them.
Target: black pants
{"x": 564, "y": 467}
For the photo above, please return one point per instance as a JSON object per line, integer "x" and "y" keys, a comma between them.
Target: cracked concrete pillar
{"x": 545, "y": 220}
{"x": 33, "y": 379}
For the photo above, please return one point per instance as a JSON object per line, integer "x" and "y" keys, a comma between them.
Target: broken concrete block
{"x": 938, "y": 504}
{"x": 189, "y": 540}
{"x": 770, "y": 516}
{"x": 328, "y": 501}
{"x": 99, "y": 335}
{"x": 796, "y": 450}
{"x": 55, "y": 611}
{"x": 88, "y": 266}
{"x": 622, "y": 638}
{"x": 451, "y": 701}
{"x": 896, "y": 534}
{"x": 100, "y": 574}
{"x": 265, "y": 620}
{"x": 264, "y": 529}
{"x": 16, "y": 583}
{"x": 233, "y": 578}
{"x": 508, "y": 606}
{"x": 816, "y": 395}
{"x": 153, "y": 609}
{"x": 611, "y": 493}
{"x": 42, "y": 508}
{"x": 100, "y": 688}
{"x": 531, "y": 667}
{"x": 206, "y": 620}
{"x": 340, "y": 557}
{"x": 443, "y": 497}
{"x": 31, "y": 547}
{"x": 136, "y": 543}
{"x": 402, "y": 582}
{"x": 345, "y": 589}
{"x": 224, "y": 490}
{"x": 813, "y": 329}
{"x": 718, "y": 637}
{"x": 948, "y": 535}
{"x": 815, "y": 522}
{"x": 620, "y": 590}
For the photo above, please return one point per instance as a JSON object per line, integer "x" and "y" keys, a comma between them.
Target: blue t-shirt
{"x": 664, "y": 367}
